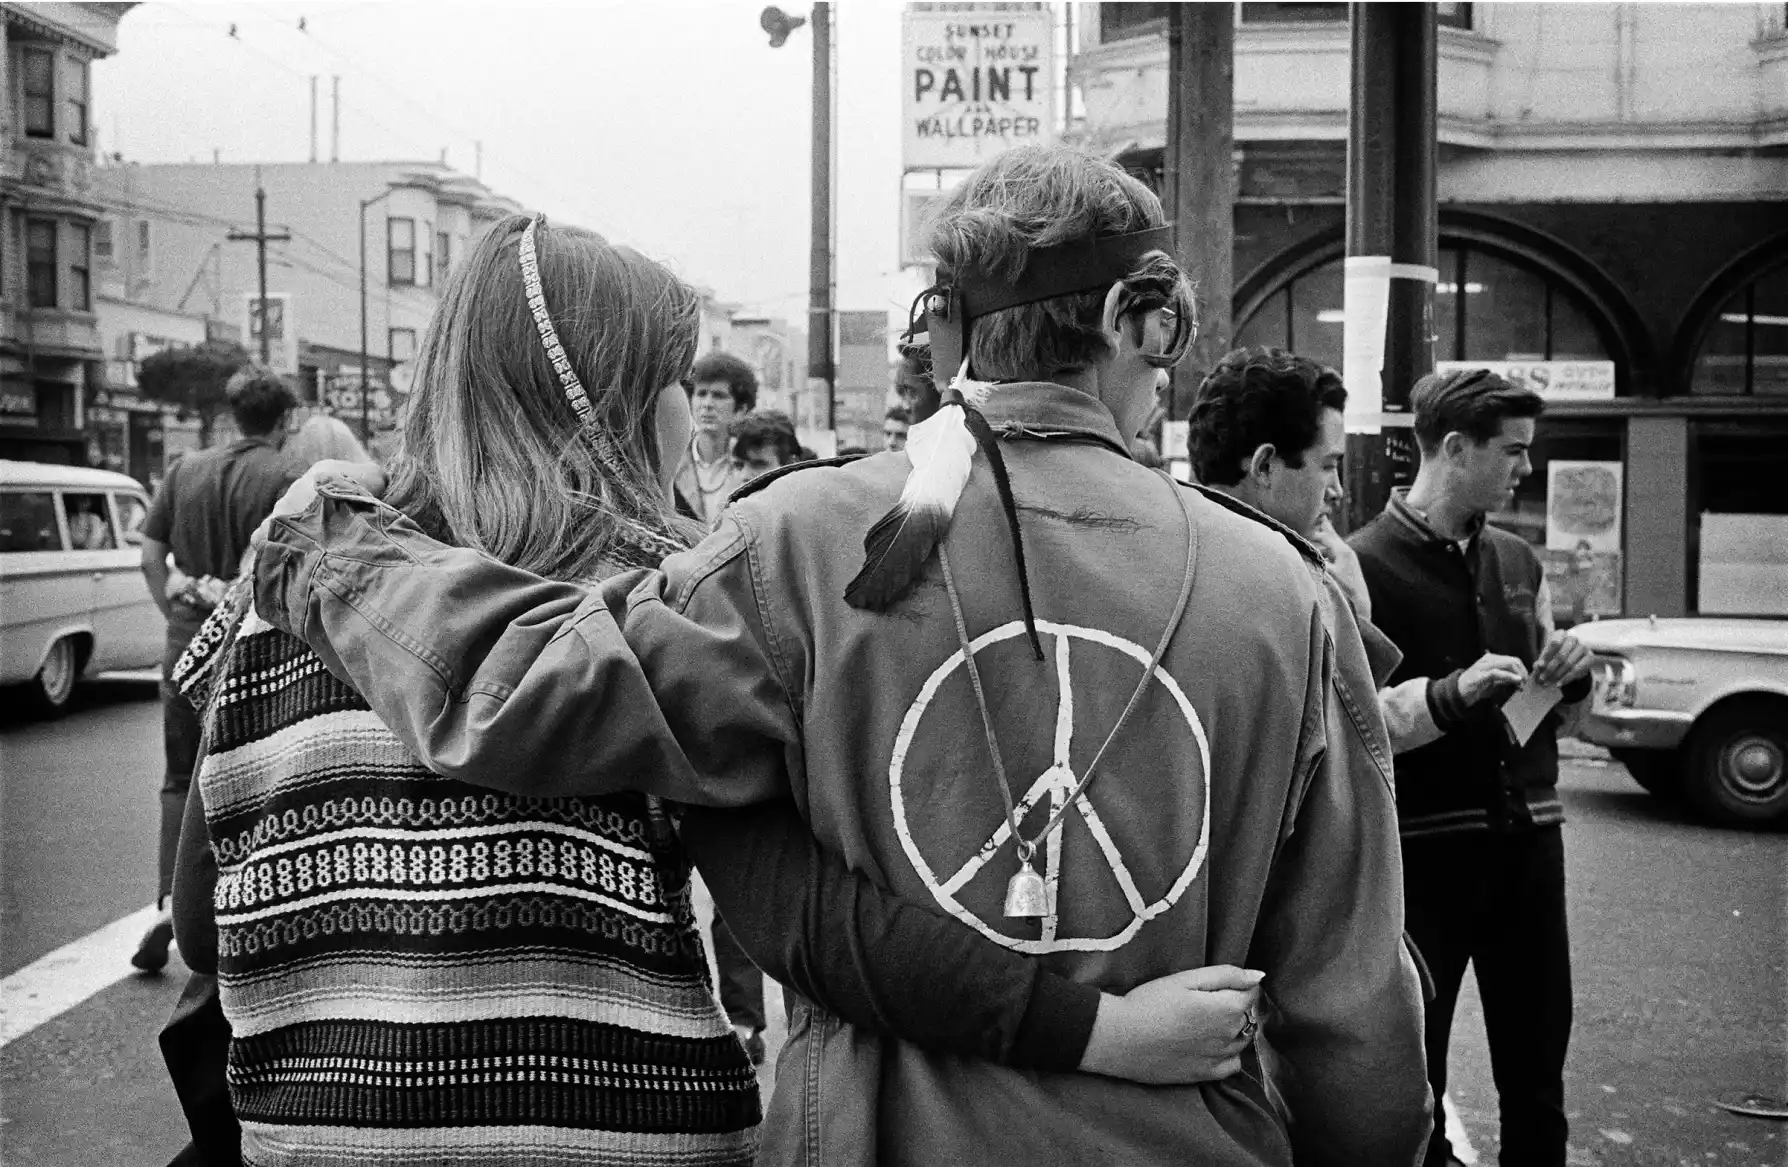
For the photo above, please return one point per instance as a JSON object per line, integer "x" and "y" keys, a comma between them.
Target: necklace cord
{"x": 1027, "y": 847}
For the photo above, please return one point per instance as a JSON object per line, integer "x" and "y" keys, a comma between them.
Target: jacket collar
{"x": 1418, "y": 522}
{"x": 1045, "y": 410}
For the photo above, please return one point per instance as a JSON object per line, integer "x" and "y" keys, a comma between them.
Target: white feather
{"x": 942, "y": 452}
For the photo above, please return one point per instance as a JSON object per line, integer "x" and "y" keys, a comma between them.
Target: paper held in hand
{"x": 1528, "y": 707}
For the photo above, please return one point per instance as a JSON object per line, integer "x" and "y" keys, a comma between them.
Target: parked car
{"x": 72, "y": 597}
{"x": 1695, "y": 706}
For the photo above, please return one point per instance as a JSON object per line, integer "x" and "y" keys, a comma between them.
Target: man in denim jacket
{"x": 1242, "y": 812}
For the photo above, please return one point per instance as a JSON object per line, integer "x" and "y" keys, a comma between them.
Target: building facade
{"x": 166, "y": 246}
{"x": 50, "y": 204}
{"x": 1614, "y": 197}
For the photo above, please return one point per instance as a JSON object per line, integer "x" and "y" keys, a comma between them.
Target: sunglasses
{"x": 1178, "y": 327}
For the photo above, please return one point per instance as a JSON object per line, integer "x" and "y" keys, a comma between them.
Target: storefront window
{"x": 1740, "y": 514}
{"x": 1745, "y": 351}
{"x": 1486, "y": 308}
{"x": 1123, "y": 21}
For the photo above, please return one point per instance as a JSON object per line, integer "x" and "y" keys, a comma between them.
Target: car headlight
{"x": 1616, "y": 681}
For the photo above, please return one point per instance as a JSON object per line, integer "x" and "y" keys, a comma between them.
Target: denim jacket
{"x": 1245, "y": 815}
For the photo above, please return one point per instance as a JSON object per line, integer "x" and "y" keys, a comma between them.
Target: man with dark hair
{"x": 913, "y": 381}
{"x": 722, "y": 388}
{"x": 894, "y": 426}
{"x": 207, "y": 508}
{"x": 764, "y": 441}
{"x": 1483, "y": 848}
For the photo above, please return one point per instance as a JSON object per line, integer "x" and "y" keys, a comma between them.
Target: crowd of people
{"x": 1086, "y": 815}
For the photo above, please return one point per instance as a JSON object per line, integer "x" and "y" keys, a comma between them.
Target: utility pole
{"x": 1200, "y": 178}
{"x": 313, "y": 118}
{"x": 261, "y": 239}
{"x": 819, "y": 268}
{"x": 1392, "y": 214}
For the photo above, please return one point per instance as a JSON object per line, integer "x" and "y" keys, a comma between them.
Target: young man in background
{"x": 1483, "y": 845}
{"x": 722, "y": 389}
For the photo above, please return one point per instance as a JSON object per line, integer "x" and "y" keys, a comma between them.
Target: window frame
{"x": 444, "y": 250}
{"x": 425, "y": 244}
{"x": 393, "y": 251}
{"x": 74, "y": 104}
{"x": 129, "y": 536}
{"x": 36, "y": 280}
{"x": 27, "y": 54}
{"x": 391, "y": 335}
{"x": 80, "y": 262}
{"x": 105, "y": 502}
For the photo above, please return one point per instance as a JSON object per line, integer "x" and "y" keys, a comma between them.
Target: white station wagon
{"x": 72, "y": 596}
{"x": 1695, "y": 706}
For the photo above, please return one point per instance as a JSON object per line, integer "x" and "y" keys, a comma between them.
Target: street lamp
{"x": 779, "y": 24}
{"x": 365, "y": 427}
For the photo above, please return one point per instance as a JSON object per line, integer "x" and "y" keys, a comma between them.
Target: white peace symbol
{"x": 1057, "y": 783}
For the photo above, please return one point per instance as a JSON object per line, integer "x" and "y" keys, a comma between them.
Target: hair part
{"x": 494, "y": 457}
{"x": 1473, "y": 402}
{"x": 1033, "y": 197}
{"x": 1254, "y": 397}
{"x": 259, "y": 400}
{"x": 739, "y": 378}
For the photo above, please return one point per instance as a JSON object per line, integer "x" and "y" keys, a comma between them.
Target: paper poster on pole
{"x": 1366, "y": 306}
{"x": 976, "y": 83}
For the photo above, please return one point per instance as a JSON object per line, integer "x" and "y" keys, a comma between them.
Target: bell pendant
{"x": 1027, "y": 898}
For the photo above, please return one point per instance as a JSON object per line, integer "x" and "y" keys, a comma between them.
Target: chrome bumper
{"x": 1634, "y": 729}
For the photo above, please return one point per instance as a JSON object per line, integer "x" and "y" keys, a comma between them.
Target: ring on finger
{"x": 1249, "y": 1027}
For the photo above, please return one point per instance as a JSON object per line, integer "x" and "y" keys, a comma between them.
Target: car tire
{"x": 52, "y": 689}
{"x": 1738, "y": 762}
{"x": 1658, "y": 772}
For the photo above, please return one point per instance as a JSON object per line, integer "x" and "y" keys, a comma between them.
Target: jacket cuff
{"x": 1445, "y": 702}
{"x": 1057, "y": 1024}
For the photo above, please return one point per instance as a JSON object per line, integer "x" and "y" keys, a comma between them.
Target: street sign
{"x": 282, "y": 348}
{"x": 976, "y": 83}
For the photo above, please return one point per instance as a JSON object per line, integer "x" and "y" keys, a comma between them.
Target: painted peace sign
{"x": 1055, "y": 784}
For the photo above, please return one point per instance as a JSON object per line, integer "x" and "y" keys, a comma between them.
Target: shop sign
{"x": 976, "y": 83}
{"x": 1553, "y": 380}
{"x": 18, "y": 402}
{"x": 342, "y": 398}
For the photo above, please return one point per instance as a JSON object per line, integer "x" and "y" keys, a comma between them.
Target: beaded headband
{"x": 549, "y": 336}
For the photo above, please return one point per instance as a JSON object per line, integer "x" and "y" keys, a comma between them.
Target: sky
{"x": 671, "y": 126}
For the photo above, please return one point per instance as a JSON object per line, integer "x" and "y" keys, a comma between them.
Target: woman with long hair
{"x": 419, "y": 970}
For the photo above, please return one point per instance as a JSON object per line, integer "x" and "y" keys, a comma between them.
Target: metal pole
{"x": 1200, "y": 177}
{"x": 363, "y": 355}
{"x": 261, "y": 265}
{"x": 1392, "y": 210}
{"x": 819, "y": 274}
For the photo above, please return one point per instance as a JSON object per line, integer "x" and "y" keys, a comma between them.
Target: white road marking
{"x": 1456, "y": 1133}
{"x": 58, "y": 981}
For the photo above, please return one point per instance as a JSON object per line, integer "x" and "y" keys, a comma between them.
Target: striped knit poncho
{"x": 419, "y": 971}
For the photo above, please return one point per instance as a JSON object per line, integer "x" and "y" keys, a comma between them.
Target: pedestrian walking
{"x": 416, "y": 970}
{"x": 202, "y": 518}
{"x": 1478, "y": 808}
{"x": 1002, "y": 708}
{"x": 721, "y": 389}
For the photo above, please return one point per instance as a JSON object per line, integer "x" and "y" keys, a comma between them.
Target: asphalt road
{"x": 1678, "y": 937}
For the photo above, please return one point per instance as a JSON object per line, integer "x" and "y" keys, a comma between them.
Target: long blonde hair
{"x": 493, "y": 456}
{"x": 322, "y": 436}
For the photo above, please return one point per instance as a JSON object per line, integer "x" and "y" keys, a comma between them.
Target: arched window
{"x": 1745, "y": 350}
{"x": 1487, "y": 307}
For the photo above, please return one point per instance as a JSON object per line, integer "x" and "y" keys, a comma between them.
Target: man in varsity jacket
{"x": 1483, "y": 850}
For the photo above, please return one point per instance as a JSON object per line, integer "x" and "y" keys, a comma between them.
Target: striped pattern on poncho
{"x": 418, "y": 971}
